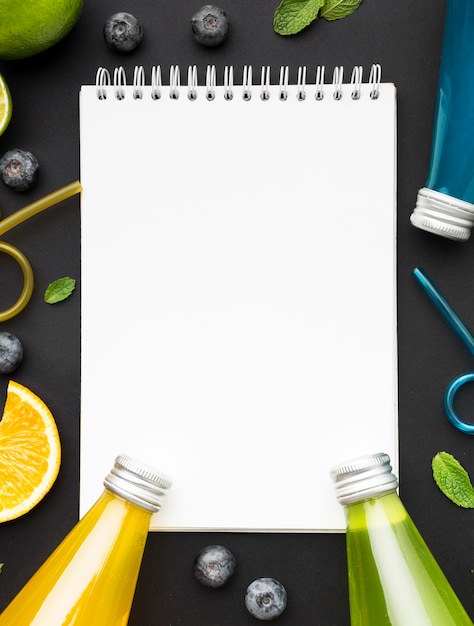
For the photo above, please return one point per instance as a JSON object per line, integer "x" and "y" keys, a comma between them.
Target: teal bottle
{"x": 394, "y": 580}
{"x": 445, "y": 206}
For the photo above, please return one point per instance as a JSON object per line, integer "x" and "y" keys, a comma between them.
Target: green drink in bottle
{"x": 394, "y": 580}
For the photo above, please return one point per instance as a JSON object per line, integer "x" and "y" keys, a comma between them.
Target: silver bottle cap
{"x": 137, "y": 483}
{"x": 363, "y": 477}
{"x": 443, "y": 215}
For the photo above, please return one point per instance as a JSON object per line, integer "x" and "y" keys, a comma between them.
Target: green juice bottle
{"x": 394, "y": 579}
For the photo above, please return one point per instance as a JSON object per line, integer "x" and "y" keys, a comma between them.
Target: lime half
{"x": 5, "y": 105}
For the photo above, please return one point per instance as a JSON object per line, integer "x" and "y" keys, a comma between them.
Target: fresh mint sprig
{"x": 292, "y": 16}
{"x": 59, "y": 290}
{"x": 337, "y": 9}
{"x": 453, "y": 480}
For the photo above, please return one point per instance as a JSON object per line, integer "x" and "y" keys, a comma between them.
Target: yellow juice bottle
{"x": 90, "y": 578}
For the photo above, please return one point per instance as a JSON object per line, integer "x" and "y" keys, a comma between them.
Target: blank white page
{"x": 238, "y": 298}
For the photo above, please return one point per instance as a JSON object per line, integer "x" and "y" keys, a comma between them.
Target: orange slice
{"x": 30, "y": 452}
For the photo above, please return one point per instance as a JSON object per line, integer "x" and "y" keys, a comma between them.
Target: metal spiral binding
{"x": 247, "y": 82}
{"x": 228, "y": 82}
{"x": 118, "y": 82}
{"x": 211, "y": 82}
{"x": 301, "y": 83}
{"x": 192, "y": 82}
{"x": 283, "y": 85}
{"x": 138, "y": 82}
{"x": 337, "y": 77}
{"x": 265, "y": 83}
{"x": 156, "y": 82}
{"x": 319, "y": 92}
{"x": 356, "y": 82}
{"x": 102, "y": 81}
{"x": 374, "y": 80}
{"x": 175, "y": 82}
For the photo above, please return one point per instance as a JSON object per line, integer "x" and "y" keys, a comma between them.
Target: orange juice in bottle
{"x": 91, "y": 576}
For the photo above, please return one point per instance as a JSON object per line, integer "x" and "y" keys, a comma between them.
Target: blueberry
{"x": 265, "y": 598}
{"x": 11, "y": 352}
{"x": 123, "y": 32}
{"x": 210, "y": 25}
{"x": 19, "y": 169}
{"x": 214, "y": 565}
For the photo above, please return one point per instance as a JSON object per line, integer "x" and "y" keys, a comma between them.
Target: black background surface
{"x": 405, "y": 37}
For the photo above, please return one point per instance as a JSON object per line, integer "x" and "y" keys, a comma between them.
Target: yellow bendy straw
{"x": 17, "y": 218}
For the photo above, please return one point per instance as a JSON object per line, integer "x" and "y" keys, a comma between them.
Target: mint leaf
{"x": 453, "y": 480}
{"x": 59, "y": 290}
{"x": 337, "y": 9}
{"x": 294, "y": 15}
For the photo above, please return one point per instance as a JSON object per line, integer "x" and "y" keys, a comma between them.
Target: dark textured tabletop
{"x": 405, "y": 38}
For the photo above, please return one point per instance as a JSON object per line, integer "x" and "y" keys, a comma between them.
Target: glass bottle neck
{"x": 118, "y": 511}
{"x": 379, "y": 510}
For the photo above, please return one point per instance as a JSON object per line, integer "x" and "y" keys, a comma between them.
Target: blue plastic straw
{"x": 445, "y": 309}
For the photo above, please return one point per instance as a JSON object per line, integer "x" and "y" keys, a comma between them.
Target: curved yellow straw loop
{"x": 17, "y": 218}
{"x": 39, "y": 205}
{"x": 28, "y": 281}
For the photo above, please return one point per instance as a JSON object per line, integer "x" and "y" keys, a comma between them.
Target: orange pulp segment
{"x": 30, "y": 452}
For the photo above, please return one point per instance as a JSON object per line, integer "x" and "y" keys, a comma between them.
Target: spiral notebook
{"x": 238, "y": 287}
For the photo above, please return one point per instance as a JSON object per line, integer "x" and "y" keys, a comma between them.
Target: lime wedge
{"x": 5, "y": 105}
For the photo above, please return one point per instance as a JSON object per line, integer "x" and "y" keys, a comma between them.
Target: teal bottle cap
{"x": 363, "y": 477}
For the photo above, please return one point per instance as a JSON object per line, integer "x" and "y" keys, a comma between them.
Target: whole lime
{"x": 31, "y": 26}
